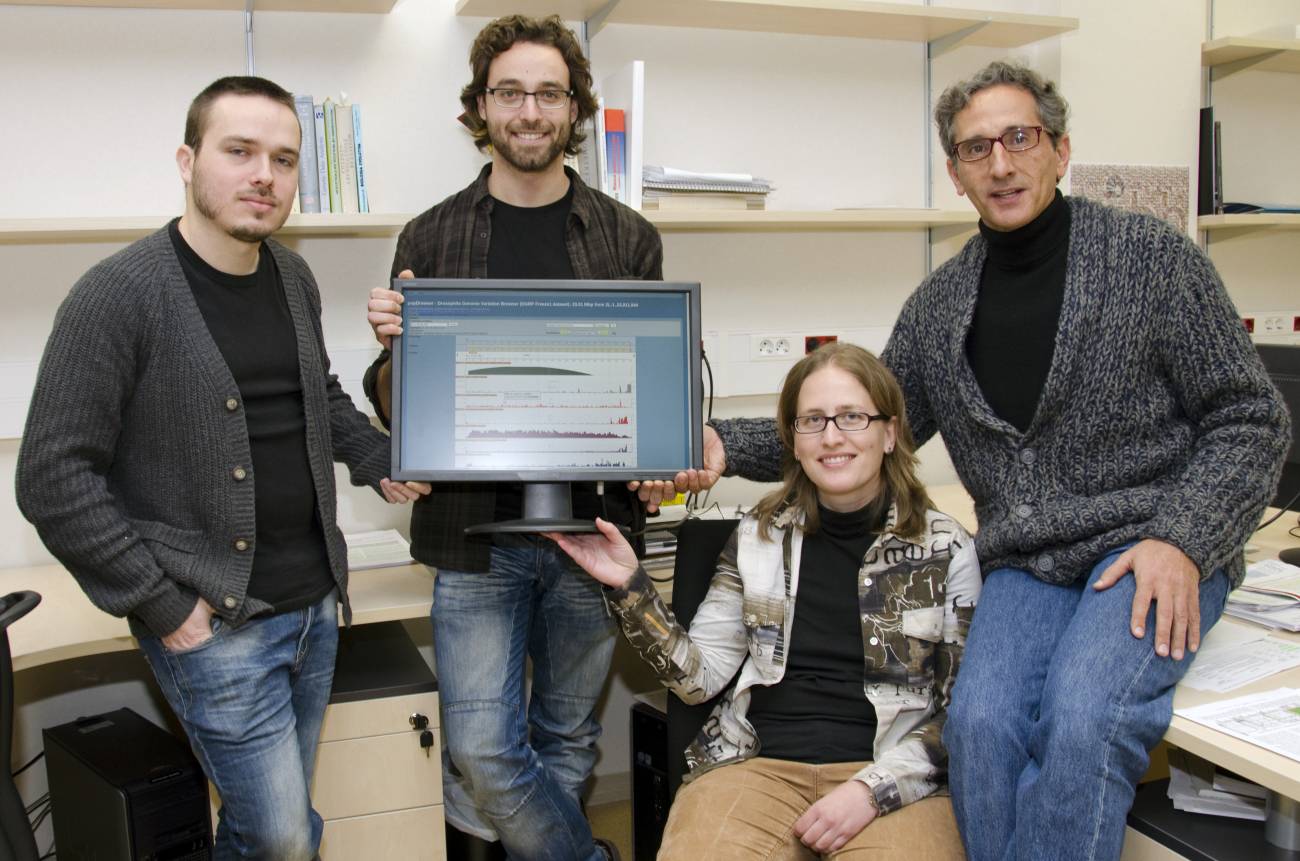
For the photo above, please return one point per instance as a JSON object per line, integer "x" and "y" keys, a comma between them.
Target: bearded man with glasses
{"x": 1109, "y": 416}
{"x": 514, "y": 765}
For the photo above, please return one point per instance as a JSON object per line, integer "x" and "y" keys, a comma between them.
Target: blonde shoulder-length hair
{"x": 901, "y": 485}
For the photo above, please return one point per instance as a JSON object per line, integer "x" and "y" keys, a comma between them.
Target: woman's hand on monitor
{"x": 606, "y": 556}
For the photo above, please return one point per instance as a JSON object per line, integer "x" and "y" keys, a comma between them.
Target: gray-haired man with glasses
{"x": 1107, "y": 412}
{"x": 515, "y": 765}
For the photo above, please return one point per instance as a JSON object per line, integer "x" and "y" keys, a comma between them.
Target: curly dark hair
{"x": 500, "y": 36}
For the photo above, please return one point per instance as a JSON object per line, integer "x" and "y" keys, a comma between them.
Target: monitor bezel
{"x": 695, "y": 413}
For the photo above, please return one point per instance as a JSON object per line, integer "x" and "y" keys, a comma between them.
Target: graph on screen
{"x": 551, "y": 404}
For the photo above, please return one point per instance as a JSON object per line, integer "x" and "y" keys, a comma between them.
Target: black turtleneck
{"x": 1013, "y": 334}
{"x": 819, "y": 711}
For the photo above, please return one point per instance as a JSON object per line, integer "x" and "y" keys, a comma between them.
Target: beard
{"x": 533, "y": 160}
{"x": 206, "y": 202}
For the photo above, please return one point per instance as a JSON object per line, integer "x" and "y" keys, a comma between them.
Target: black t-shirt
{"x": 248, "y": 318}
{"x": 528, "y": 242}
{"x": 819, "y": 711}
{"x": 1013, "y": 335}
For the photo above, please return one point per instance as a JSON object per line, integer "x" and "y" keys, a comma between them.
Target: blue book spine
{"x": 308, "y": 178}
{"x": 363, "y": 200}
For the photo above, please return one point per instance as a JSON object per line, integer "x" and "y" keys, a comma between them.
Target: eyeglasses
{"x": 1018, "y": 139}
{"x": 512, "y": 98}
{"x": 849, "y": 422}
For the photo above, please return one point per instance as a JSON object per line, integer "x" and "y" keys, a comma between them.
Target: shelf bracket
{"x": 944, "y": 44}
{"x": 1218, "y": 73}
{"x": 596, "y": 23}
{"x": 248, "y": 38}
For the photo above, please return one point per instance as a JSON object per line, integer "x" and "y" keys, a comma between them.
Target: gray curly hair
{"x": 1053, "y": 110}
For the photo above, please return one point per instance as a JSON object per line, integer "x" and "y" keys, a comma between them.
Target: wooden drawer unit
{"x": 378, "y": 790}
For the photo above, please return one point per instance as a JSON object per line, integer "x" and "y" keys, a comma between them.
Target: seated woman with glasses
{"x": 844, "y": 601}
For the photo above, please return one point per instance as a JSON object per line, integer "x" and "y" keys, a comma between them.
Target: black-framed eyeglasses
{"x": 512, "y": 98}
{"x": 849, "y": 422}
{"x": 1017, "y": 139}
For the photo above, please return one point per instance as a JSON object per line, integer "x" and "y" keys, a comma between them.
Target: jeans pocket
{"x": 215, "y": 624}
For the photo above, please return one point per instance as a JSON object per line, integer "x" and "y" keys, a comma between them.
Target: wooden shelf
{"x": 674, "y": 221}
{"x": 126, "y": 228}
{"x": 110, "y": 229}
{"x": 1231, "y": 225}
{"x": 853, "y": 18}
{"x": 1232, "y": 54}
{"x": 377, "y": 6}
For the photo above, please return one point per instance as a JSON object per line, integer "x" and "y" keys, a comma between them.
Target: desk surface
{"x": 66, "y": 625}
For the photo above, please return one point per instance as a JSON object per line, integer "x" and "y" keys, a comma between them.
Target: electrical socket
{"x": 1270, "y": 324}
{"x": 771, "y": 346}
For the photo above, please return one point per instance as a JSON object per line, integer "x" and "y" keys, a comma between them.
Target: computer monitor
{"x": 1282, "y": 361}
{"x": 546, "y": 382}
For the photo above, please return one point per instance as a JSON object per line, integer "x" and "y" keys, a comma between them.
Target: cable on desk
{"x": 1286, "y": 509}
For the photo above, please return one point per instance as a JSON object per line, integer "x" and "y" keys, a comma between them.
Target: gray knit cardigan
{"x": 1157, "y": 419}
{"x": 128, "y": 465}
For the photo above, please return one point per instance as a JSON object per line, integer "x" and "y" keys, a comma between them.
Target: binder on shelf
{"x": 332, "y": 156}
{"x": 363, "y": 196}
{"x": 308, "y": 179}
{"x": 322, "y": 162}
{"x": 347, "y": 158}
{"x": 1205, "y": 165}
{"x": 625, "y": 90}
{"x": 1218, "y": 167}
{"x": 616, "y": 154}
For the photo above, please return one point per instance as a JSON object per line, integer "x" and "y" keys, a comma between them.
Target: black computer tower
{"x": 650, "y": 799}
{"x": 122, "y": 789}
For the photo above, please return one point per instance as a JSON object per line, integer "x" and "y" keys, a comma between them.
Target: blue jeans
{"x": 1053, "y": 714}
{"x": 514, "y": 766}
{"x": 252, "y": 700}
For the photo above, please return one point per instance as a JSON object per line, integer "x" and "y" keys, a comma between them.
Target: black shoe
{"x": 608, "y": 847}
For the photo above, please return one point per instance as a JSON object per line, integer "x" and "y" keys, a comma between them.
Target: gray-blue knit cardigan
{"x": 1157, "y": 419}
{"x": 127, "y": 465}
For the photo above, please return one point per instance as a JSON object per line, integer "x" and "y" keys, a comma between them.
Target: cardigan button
{"x": 229, "y": 602}
{"x": 1028, "y": 456}
{"x": 239, "y": 473}
{"x": 1024, "y": 511}
{"x": 232, "y": 404}
{"x": 241, "y": 544}
{"x": 1045, "y": 563}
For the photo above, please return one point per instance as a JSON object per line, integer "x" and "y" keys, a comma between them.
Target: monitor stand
{"x": 1291, "y": 555}
{"x": 548, "y": 507}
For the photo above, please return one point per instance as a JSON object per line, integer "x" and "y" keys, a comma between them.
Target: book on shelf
{"x": 322, "y": 162}
{"x": 332, "y": 155}
{"x": 1205, "y": 178}
{"x": 624, "y": 90}
{"x": 616, "y": 154}
{"x": 347, "y": 157}
{"x": 1218, "y": 166}
{"x": 363, "y": 195}
{"x": 308, "y": 188}
{"x": 598, "y": 145}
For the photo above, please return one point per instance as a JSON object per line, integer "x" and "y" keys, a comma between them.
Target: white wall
{"x": 95, "y": 100}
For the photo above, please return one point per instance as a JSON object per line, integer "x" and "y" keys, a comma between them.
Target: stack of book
{"x": 331, "y": 166}
{"x": 666, "y": 188}
{"x": 660, "y": 553}
{"x": 1197, "y": 786}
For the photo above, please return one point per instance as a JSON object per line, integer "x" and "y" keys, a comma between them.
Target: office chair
{"x": 17, "y": 843}
{"x": 698, "y": 544}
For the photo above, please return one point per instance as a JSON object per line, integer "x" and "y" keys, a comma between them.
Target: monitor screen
{"x": 520, "y": 380}
{"x": 1282, "y": 361}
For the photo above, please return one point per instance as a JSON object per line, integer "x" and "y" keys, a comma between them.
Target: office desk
{"x": 66, "y": 625}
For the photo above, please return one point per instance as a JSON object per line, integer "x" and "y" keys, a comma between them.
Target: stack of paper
{"x": 660, "y": 552}
{"x": 1196, "y": 787}
{"x": 672, "y": 188}
{"x": 1269, "y": 596}
{"x": 378, "y": 549}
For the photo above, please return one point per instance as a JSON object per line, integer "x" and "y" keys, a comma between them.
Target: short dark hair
{"x": 503, "y": 34}
{"x": 196, "y": 120}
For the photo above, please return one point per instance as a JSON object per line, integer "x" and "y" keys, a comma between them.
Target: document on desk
{"x": 1269, "y": 596}
{"x": 1270, "y": 719}
{"x": 379, "y": 549}
{"x": 1242, "y": 656}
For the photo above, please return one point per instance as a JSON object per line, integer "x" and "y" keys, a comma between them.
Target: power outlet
{"x": 1270, "y": 325}
{"x": 771, "y": 346}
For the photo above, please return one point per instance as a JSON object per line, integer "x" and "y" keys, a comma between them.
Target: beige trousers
{"x": 747, "y": 810}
